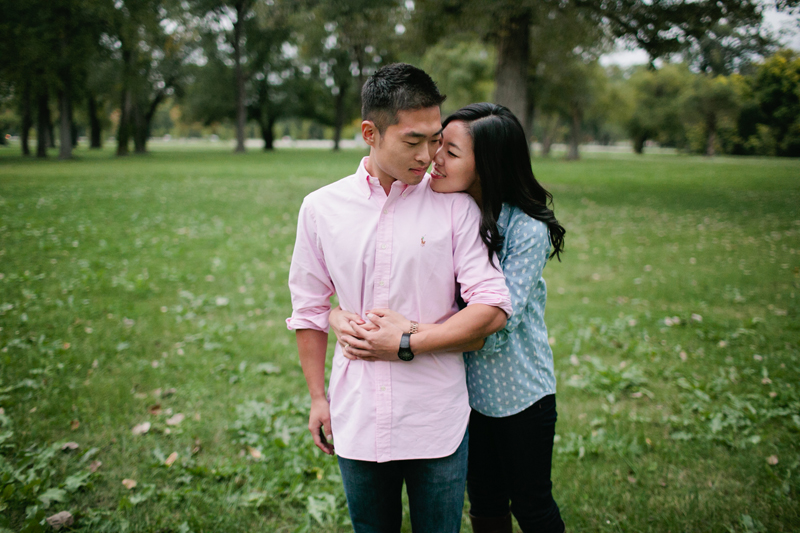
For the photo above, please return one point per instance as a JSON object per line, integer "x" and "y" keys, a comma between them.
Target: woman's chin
{"x": 439, "y": 187}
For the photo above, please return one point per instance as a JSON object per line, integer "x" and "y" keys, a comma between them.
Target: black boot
{"x": 495, "y": 524}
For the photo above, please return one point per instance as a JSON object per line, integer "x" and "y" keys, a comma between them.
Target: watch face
{"x": 405, "y": 354}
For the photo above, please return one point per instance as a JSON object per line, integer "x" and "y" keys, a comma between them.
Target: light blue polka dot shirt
{"x": 514, "y": 369}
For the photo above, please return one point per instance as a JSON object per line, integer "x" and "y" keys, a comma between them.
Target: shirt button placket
{"x": 383, "y": 382}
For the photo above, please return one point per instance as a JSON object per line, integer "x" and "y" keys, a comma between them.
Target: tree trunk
{"x": 139, "y": 129}
{"x": 123, "y": 131}
{"x": 27, "y": 121}
{"x": 512, "y": 65}
{"x": 551, "y": 126}
{"x": 124, "y": 128}
{"x": 266, "y": 133}
{"x": 711, "y": 139}
{"x": 65, "y": 126}
{"x": 574, "y": 134}
{"x": 339, "y": 118}
{"x": 638, "y": 144}
{"x": 241, "y": 114}
{"x": 42, "y": 114}
{"x": 51, "y": 134}
{"x": 95, "y": 128}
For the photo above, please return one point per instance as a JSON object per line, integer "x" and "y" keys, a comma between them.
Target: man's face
{"x": 405, "y": 149}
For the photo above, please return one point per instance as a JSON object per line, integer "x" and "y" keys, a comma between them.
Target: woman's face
{"x": 454, "y": 162}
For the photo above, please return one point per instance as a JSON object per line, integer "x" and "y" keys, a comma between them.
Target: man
{"x": 382, "y": 239}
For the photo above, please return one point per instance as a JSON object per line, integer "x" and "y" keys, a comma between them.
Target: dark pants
{"x": 435, "y": 492}
{"x": 509, "y": 460}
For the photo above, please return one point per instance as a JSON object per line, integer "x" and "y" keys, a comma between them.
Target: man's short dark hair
{"x": 397, "y": 87}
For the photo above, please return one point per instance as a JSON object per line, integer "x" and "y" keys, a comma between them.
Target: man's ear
{"x": 369, "y": 132}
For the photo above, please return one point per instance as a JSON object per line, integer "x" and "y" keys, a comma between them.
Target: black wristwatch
{"x": 405, "y": 353}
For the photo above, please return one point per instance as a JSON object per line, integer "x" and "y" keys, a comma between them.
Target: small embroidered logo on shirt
{"x": 422, "y": 241}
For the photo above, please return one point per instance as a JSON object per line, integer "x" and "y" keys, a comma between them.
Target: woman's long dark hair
{"x": 503, "y": 164}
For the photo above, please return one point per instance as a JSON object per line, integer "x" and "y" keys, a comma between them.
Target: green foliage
{"x": 776, "y": 98}
{"x": 463, "y": 70}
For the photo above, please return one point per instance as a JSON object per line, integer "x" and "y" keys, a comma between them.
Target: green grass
{"x": 125, "y": 278}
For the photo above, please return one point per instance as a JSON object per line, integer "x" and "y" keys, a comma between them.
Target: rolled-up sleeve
{"x": 309, "y": 281}
{"x": 481, "y": 282}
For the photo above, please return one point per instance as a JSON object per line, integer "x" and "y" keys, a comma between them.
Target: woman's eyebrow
{"x": 454, "y": 145}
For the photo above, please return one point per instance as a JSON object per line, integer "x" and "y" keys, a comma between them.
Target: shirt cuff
{"x": 318, "y": 322}
{"x": 493, "y": 300}
{"x": 493, "y": 343}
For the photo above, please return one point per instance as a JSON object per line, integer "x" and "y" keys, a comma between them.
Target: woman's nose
{"x": 437, "y": 157}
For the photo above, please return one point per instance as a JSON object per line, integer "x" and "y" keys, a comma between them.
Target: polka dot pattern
{"x": 514, "y": 369}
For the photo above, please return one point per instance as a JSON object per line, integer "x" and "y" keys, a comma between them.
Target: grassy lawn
{"x": 150, "y": 293}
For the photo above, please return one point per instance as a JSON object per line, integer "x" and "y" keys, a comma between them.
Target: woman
{"x": 511, "y": 382}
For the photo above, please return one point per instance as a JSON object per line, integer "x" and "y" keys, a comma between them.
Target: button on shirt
{"x": 406, "y": 251}
{"x": 514, "y": 369}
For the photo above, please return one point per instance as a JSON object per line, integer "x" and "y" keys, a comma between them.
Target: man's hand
{"x": 380, "y": 344}
{"x": 319, "y": 424}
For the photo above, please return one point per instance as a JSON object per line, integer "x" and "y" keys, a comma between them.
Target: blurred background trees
{"x": 128, "y": 70}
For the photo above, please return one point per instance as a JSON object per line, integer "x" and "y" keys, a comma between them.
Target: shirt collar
{"x": 367, "y": 183}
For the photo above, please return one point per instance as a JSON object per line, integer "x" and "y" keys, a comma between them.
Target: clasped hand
{"x": 376, "y": 340}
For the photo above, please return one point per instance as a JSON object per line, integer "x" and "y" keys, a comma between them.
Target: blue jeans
{"x": 509, "y": 461}
{"x": 435, "y": 492}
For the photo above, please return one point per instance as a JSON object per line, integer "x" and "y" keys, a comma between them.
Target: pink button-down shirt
{"x": 406, "y": 252}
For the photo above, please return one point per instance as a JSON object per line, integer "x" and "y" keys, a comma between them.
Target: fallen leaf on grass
{"x": 95, "y": 465}
{"x": 696, "y": 317}
{"x": 69, "y": 446}
{"x": 52, "y": 495}
{"x": 268, "y": 368}
{"x": 662, "y": 483}
{"x": 141, "y": 429}
{"x": 129, "y": 483}
{"x": 175, "y": 420}
{"x": 154, "y": 409}
{"x": 631, "y": 479}
{"x": 772, "y": 460}
{"x": 171, "y": 459}
{"x": 59, "y": 520}
{"x": 256, "y": 454}
{"x": 75, "y": 424}
{"x": 169, "y": 392}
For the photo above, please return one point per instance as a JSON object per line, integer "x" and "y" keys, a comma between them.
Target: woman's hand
{"x": 395, "y": 318}
{"x": 381, "y": 344}
{"x": 341, "y": 322}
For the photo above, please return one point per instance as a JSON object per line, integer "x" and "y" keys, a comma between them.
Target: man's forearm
{"x": 461, "y": 332}
{"x": 311, "y": 347}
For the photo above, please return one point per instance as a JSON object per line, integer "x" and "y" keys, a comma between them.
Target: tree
{"x": 775, "y": 90}
{"x": 660, "y": 28}
{"x": 228, "y": 19}
{"x": 344, "y": 42}
{"x": 709, "y": 101}
{"x": 463, "y": 69}
{"x": 150, "y": 41}
{"x": 657, "y": 111}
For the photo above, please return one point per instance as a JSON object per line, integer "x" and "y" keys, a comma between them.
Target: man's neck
{"x": 384, "y": 179}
